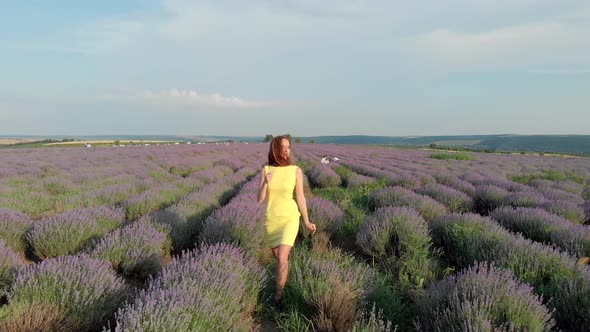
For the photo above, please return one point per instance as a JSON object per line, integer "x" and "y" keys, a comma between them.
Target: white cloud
{"x": 531, "y": 44}
{"x": 191, "y": 98}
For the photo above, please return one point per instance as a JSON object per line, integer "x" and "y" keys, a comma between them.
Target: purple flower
{"x": 455, "y": 200}
{"x": 539, "y": 225}
{"x": 482, "y": 297}
{"x": 357, "y": 180}
{"x": 524, "y": 199}
{"x": 72, "y": 231}
{"x": 488, "y": 197}
{"x": 9, "y": 261}
{"x": 566, "y": 209}
{"x": 325, "y": 214}
{"x": 135, "y": 250}
{"x": 398, "y": 196}
{"x": 13, "y": 227}
{"x": 329, "y": 284}
{"x": 393, "y": 231}
{"x": 212, "y": 288}
{"x": 323, "y": 176}
{"x": 456, "y": 183}
{"x": 470, "y": 238}
{"x": 398, "y": 237}
{"x": 86, "y": 291}
{"x": 238, "y": 222}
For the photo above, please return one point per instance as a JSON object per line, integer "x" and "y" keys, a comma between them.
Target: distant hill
{"x": 571, "y": 144}
{"x": 574, "y": 144}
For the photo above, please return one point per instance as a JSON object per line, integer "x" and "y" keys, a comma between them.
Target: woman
{"x": 277, "y": 181}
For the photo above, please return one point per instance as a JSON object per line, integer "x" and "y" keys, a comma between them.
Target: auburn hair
{"x": 275, "y": 157}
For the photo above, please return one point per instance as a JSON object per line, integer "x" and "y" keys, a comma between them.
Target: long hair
{"x": 275, "y": 158}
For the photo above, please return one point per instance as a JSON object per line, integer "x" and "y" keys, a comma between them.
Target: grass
{"x": 551, "y": 175}
{"x": 453, "y": 156}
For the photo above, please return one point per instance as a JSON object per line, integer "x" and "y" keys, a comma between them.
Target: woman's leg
{"x": 282, "y": 255}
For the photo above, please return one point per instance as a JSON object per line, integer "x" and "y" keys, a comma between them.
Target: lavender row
{"x": 72, "y": 231}
{"x": 136, "y": 250}
{"x": 470, "y": 238}
{"x": 352, "y": 179}
{"x": 187, "y": 216}
{"x": 488, "y": 169}
{"x": 490, "y": 197}
{"x": 13, "y": 228}
{"x": 9, "y": 262}
{"x": 213, "y": 288}
{"x": 455, "y": 200}
{"x": 398, "y": 196}
{"x": 333, "y": 288}
{"x": 239, "y": 222}
{"x": 323, "y": 176}
{"x": 482, "y": 298}
{"x": 69, "y": 293}
{"x": 53, "y": 181}
{"x": 398, "y": 238}
{"x": 540, "y": 225}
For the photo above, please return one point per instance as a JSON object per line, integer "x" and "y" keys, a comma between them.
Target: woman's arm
{"x": 262, "y": 189}
{"x": 301, "y": 202}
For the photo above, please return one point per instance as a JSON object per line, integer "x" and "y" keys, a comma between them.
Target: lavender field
{"x": 170, "y": 238}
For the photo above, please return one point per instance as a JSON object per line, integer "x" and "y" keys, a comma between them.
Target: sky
{"x": 303, "y": 67}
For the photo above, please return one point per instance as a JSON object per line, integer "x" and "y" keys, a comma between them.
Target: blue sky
{"x": 304, "y": 67}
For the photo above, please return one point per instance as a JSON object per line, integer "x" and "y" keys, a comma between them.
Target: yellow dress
{"x": 282, "y": 214}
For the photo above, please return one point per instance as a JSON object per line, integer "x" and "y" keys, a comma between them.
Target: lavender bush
{"x": 471, "y": 238}
{"x": 487, "y": 198}
{"x": 575, "y": 290}
{"x": 372, "y": 321}
{"x": 542, "y": 226}
{"x": 455, "y": 200}
{"x": 398, "y": 196}
{"x": 71, "y": 231}
{"x": 456, "y": 183}
{"x": 560, "y": 195}
{"x": 569, "y": 186}
{"x": 388, "y": 196}
{"x": 149, "y": 201}
{"x": 403, "y": 179}
{"x": 524, "y": 199}
{"x": 240, "y": 223}
{"x": 84, "y": 291}
{"x": 566, "y": 209}
{"x": 399, "y": 239}
{"x": 326, "y": 215}
{"x": 332, "y": 285}
{"x": 9, "y": 261}
{"x": 137, "y": 250}
{"x": 482, "y": 298}
{"x": 213, "y": 288}
{"x": 323, "y": 176}
{"x": 352, "y": 179}
{"x": 358, "y": 180}
{"x": 187, "y": 216}
{"x": 13, "y": 227}
{"x": 211, "y": 175}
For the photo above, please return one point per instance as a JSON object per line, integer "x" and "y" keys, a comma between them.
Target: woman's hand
{"x": 267, "y": 178}
{"x": 311, "y": 227}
